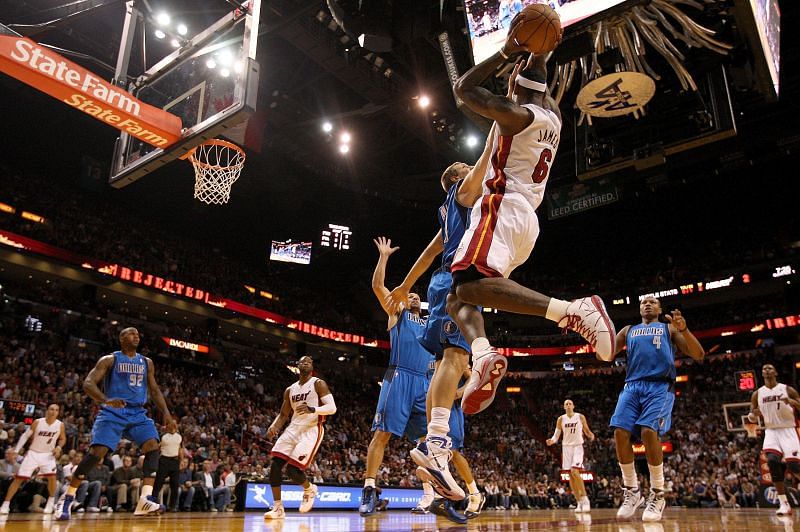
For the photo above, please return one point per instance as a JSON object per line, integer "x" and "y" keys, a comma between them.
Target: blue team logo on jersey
{"x": 450, "y": 327}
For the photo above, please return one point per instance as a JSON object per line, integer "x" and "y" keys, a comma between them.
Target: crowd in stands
{"x": 224, "y": 412}
{"x": 109, "y": 232}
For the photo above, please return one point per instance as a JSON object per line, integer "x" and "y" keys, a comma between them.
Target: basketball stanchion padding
{"x": 217, "y": 165}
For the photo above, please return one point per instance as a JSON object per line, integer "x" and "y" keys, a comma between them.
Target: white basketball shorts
{"x": 45, "y": 462}
{"x": 299, "y": 444}
{"x": 571, "y": 456}
{"x": 502, "y": 231}
{"x": 782, "y": 441}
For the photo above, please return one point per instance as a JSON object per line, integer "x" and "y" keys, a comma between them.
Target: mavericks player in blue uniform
{"x": 442, "y": 336}
{"x": 128, "y": 380}
{"x": 645, "y": 404}
{"x": 401, "y": 405}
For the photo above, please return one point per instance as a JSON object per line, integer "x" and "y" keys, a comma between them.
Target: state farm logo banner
{"x": 49, "y": 72}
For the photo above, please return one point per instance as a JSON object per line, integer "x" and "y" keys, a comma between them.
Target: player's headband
{"x": 537, "y": 86}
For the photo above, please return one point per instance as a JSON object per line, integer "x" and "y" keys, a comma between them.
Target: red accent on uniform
{"x": 773, "y": 451}
{"x": 490, "y": 205}
{"x": 298, "y": 465}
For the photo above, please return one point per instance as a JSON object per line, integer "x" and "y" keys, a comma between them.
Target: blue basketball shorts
{"x": 644, "y": 404}
{"x": 132, "y": 423}
{"x": 441, "y": 331}
{"x": 401, "y": 404}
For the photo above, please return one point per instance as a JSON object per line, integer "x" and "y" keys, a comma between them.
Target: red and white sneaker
{"x": 488, "y": 369}
{"x": 588, "y": 317}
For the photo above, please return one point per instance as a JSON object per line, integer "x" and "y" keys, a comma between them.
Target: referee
{"x": 169, "y": 464}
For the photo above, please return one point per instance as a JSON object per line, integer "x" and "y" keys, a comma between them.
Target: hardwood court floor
{"x": 675, "y": 520}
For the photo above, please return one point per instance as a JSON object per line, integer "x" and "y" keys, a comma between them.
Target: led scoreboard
{"x": 746, "y": 380}
{"x": 17, "y": 411}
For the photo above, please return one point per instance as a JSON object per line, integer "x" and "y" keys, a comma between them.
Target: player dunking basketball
{"x": 644, "y": 407}
{"x": 778, "y": 404}
{"x": 306, "y": 403}
{"x": 48, "y": 438}
{"x": 574, "y": 426}
{"x": 501, "y": 234}
{"x": 129, "y": 380}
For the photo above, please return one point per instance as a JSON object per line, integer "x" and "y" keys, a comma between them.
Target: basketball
{"x": 539, "y": 31}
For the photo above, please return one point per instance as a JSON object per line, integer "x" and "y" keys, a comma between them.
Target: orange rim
{"x": 214, "y": 142}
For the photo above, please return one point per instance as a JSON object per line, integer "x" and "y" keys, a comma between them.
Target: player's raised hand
{"x": 676, "y": 319}
{"x": 397, "y": 299}
{"x": 512, "y": 78}
{"x": 384, "y": 246}
{"x": 115, "y": 403}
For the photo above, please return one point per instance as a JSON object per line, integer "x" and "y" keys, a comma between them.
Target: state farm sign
{"x": 49, "y": 72}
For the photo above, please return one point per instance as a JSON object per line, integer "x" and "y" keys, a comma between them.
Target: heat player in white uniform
{"x": 306, "y": 402}
{"x": 47, "y": 436}
{"x": 503, "y": 226}
{"x": 778, "y": 405}
{"x": 574, "y": 426}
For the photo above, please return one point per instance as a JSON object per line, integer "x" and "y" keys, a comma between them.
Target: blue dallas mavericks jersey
{"x": 406, "y": 352}
{"x": 453, "y": 219}
{"x": 127, "y": 379}
{"x": 651, "y": 356}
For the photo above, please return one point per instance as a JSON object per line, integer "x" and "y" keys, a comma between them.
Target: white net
{"x": 217, "y": 165}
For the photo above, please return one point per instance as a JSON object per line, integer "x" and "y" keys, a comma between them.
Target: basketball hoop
{"x": 217, "y": 165}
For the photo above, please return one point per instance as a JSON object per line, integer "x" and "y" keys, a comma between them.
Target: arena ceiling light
{"x": 160, "y": 34}
{"x": 327, "y": 127}
{"x": 424, "y": 101}
{"x": 182, "y": 29}
{"x": 345, "y": 137}
{"x": 344, "y": 148}
{"x": 472, "y": 141}
{"x": 175, "y": 43}
{"x": 163, "y": 19}
{"x": 211, "y": 63}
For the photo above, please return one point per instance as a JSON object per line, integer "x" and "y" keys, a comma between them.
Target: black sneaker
{"x": 444, "y": 508}
{"x": 369, "y": 498}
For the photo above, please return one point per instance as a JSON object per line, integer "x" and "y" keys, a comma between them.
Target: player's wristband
{"x": 683, "y": 330}
{"x": 503, "y": 54}
{"x": 312, "y": 409}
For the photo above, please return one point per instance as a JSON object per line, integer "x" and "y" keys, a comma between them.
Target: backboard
{"x": 210, "y": 81}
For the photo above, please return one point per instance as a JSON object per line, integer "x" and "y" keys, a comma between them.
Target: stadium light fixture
{"x": 344, "y": 148}
{"x": 175, "y": 43}
{"x": 182, "y": 29}
{"x": 424, "y": 101}
{"x": 163, "y": 19}
{"x": 160, "y": 34}
{"x": 327, "y": 127}
{"x": 472, "y": 141}
{"x": 224, "y": 72}
{"x": 211, "y": 63}
{"x": 345, "y": 137}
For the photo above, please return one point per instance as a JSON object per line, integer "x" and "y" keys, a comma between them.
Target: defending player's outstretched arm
{"x": 385, "y": 249}
{"x": 399, "y": 296}
{"x": 155, "y": 392}
{"x": 471, "y": 187}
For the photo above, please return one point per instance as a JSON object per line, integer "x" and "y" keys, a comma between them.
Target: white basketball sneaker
{"x": 784, "y": 509}
{"x": 588, "y": 317}
{"x": 277, "y": 512}
{"x": 309, "y": 495}
{"x": 488, "y": 369}
{"x": 583, "y": 506}
{"x": 633, "y": 499}
{"x": 476, "y": 503}
{"x": 655, "y": 506}
{"x": 147, "y": 505}
{"x": 433, "y": 458}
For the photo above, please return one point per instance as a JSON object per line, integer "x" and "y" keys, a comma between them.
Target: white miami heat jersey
{"x": 776, "y": 413}
{"x": 304, "y": 394}
{"x": 521, "y": 163}
{"x": 45, "y": 438}
{"x": 572, "y": 427}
